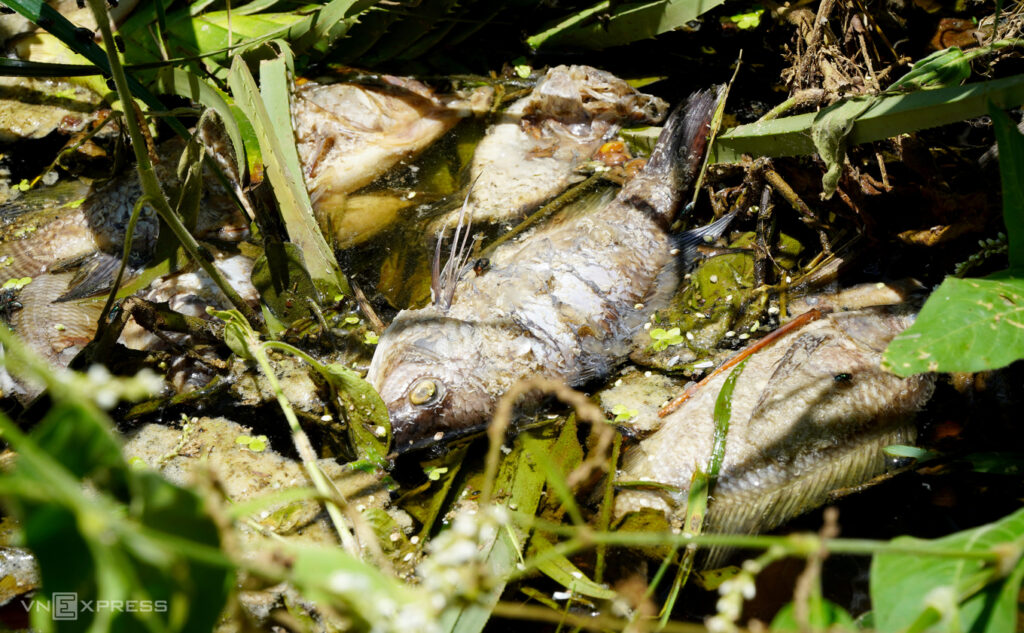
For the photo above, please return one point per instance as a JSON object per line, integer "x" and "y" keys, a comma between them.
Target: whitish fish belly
{"x": 531, "y": 152}
{"x": 810, "y": 414}
{"x": 350, "y": 134}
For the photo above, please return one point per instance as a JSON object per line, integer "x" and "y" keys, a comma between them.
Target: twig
{"x": 775, "y": 180}
{"x": 814, "y": 41}
{"x": 796, "y": 323}
{"x": 364, "y": 304}
{"x": 806, "y": 588}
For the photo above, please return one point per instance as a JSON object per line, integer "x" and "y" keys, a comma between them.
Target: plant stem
{"x": 307, "y": 454}
{"x": 801, "y": 544}
{"x": 147, "y": 176}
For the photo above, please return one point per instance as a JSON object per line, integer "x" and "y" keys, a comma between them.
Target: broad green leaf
{"x": 1011, "y": 172}
{"x": 890, "y": 116}
{"x": 966, "y": 325}
{"x": 127, "y": 535}
{"x": 369, "y": 426}
{"x": 85, "y": 446}
{"x": 914, "y": 592}
{"x": 823, "y": 615}
{"x": 975, "y": 324}
{"x": 604, "y": 25}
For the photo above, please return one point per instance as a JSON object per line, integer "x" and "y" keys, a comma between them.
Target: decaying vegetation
{"x": 196, "y": 274}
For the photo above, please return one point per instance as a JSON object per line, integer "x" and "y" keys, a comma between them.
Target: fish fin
{"x": 688, "y": 241}
{"x": 678, "y": 153}
{"x": 444, "y": 280}
{"x": 95, "y": 276}
{"x": 762, "y": 508}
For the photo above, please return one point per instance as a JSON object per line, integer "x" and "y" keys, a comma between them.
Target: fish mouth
{"x": 432, "y": 445}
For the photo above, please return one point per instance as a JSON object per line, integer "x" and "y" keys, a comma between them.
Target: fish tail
{"x": 677, "y": 157}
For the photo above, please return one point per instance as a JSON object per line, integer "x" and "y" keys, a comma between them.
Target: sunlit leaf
{"x": 966, "y": 325}
{"x": 888, "y": 117}
{"x": 369, "y": 426}
{"x": 278, "y": 150}
{"x": 947, "y": 594}
{"x": 613, "y": 24}
{"x": 822, "y": 615}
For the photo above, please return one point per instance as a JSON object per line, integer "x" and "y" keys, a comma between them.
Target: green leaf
{"x": 602, "y": 26}
{"x": 913, "y": 592}
{"x": 520, "y": 481}
{"x": 749, "y": 20}
{"x": 823, "y": 615}
{"x": 28, "y": 68}
{"x": 127, "y": 535}
{"x": 369, "y": 426}
{"x": 190, "y": 86}
{"x": 890, "y": 116}
{"x": 39, "y": 12}
{"x": 966, "y": 325}
{"x": 941, "y": 68}
{"x": 996, "y": 463}
{"x": 913, "y": 452}
{"x": 829, "y": 133}
{"x": 975, "y": 324}
{"x": 1011, "y": 172}
{"x": 330, "y": 575}
{"x": 280, "y": 276}
{"x": 278, "y": 149}
{"x": 561, "y": 570}
{"x": 238, "y": 334}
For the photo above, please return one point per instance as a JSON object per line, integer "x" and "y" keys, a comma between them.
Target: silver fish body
{"x": 562, "y": 301}
{"x": 350, "y": 134}
{"x": 46, "y": 242}
{"x": 812, "y": 413}
{"x": 532, "y": 151}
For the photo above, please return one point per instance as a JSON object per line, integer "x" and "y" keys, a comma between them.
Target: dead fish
{"x": 812, "y": 413}
{"x": 562, "y": 301}
{"x": 73, "y": 251}
{"x": 350, "y": 134}
{"x": 532, "y": 152}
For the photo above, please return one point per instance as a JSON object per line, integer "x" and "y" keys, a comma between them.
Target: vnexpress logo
{"x": 65, "y": 605}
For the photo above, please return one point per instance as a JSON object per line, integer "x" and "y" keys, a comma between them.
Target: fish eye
{"x": 426, "y": 391}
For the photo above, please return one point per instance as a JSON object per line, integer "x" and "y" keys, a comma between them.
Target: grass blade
{"x": 282, "y": 168}
{"x": 890, "y": 116}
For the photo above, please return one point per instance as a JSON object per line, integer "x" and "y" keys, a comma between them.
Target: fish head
{"x": 429, "y": 370}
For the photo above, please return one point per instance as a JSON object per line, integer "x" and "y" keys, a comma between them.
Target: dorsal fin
{"x": 444, "y": 280}
{"x": 688, "y": 241}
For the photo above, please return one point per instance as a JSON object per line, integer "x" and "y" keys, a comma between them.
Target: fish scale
{"x": 796, "y": 432}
